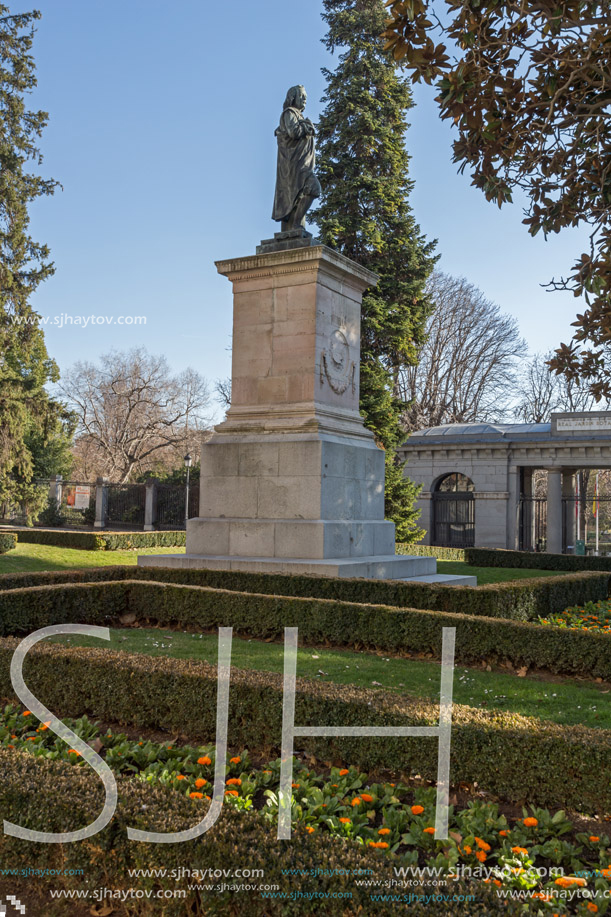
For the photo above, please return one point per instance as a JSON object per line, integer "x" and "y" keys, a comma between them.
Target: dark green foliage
{"x": 364, "y": 213}
{"x": 103, "y": 541}
{"x": 55, "y": 796}
{"x": 27, "y": 415}
{"x": 522, "y": 600}
{"x": 507, "y": 754}
{"x": 331, "y": 622}
{"x": 426, "y": 550}
{"x": 8, "y": 541}
{"x": 488, "y": 557}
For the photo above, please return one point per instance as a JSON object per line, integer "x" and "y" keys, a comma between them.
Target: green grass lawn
{"x": 492, "y": 574}
{"x": 561, "y": 700}
{"x": 30, "y": 557}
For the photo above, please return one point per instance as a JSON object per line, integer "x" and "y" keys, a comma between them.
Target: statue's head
{"x": 296, "y": 97}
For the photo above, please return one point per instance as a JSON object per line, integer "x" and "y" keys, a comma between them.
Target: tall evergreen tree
{"x": 25, "y": 367}
{"x": 364, "y": 212}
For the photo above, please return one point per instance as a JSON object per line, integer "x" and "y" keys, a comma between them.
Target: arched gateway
{"x": 477, "y": 480}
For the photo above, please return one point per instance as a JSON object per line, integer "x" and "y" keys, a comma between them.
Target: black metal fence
{"x": 171, "y": 505}
{"x": 76, "y": 507}
{"x": 453, "y": 519}
{"x": 126, "y": 503}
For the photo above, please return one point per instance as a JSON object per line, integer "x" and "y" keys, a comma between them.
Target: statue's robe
{"x": 296, "y": 163}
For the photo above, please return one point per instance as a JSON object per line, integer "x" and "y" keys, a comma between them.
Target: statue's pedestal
{"x": 292, "y": 481}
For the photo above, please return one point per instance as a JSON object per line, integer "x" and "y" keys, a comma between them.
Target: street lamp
{"x": 188, "y": 463}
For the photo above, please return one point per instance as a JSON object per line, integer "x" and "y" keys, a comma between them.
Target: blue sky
{"x": 161, "y": 131}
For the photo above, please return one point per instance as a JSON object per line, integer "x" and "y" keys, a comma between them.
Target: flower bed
{"x": 512, "y": 756}
{"x": 593, "y": 617}
{"x": 396, "y": 818}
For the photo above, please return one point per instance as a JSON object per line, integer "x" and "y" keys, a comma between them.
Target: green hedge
{"x": 562, "y": 651}
{"x": 8, "y": 541}
{"x": 512, "y": 756}
{"x": 102, "y": 541}
{"x": 522, "y": 600}
{"x": 427, "y": 550}
{"x": 497, "y": 557}
{"x": 55, "y": 796}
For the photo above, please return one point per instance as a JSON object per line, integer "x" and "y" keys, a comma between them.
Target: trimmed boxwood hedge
{"x": 488, "y": 557}
{"x": 512, "y": 756}
{"x": 522, "y": 600}
{"x": 499, "y": 557}
{"x": 101, "y": 541}
{"x": 563, "y": 651}
{"x": 8, "y": 541}
{"x": 55, "y": 796}
{"x": 427, "y": 550}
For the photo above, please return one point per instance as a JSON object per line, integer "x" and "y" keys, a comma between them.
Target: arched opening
{"x": 454, "y": 512}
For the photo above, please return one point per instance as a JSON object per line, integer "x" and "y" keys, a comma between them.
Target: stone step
{"x": 389, "y": 566}
{"x": 442, "y": 579}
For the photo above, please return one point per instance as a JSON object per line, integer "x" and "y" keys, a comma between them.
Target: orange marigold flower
{"x": 531, "y": 822}
{"x": 592, "y": 907}
{"x": 382, "y": 845}
{"x": 344, "y": 771}
{"x": 309, "y": 829}
{"x": 482, "y": 844}
{"x": 345, "y": 821}
{"x": 235, "y": 760}
{"x": 366, "y": 797}
{"x": 180, "y": 777}
{"x": 231, "y": 793}
{"x": 27, "y": 713}
{"x": 417, "y": 810}
{"x": 45, "y": 726}
{"x": 10, "y": 746}
{"x": 200, "y": 782}
{"x": 356, "y": 801}
{"x": 205, "y": 760}
{"x": 196, "y": 795}
{"x": 467, "y": 849}
{"x": 429, "y": 831}
{"x": 520, "y": 850}
{"x": 73, "y": 751}
{"x": 234, "y": 781}
{"x": 295, "y": 785}
{"x": 384, "y": 831}
{"x": 504, "y": 833}
{"x": 594, "y": 838}
{"x": 497, "y": 882}
{"x": 481, "y": 856}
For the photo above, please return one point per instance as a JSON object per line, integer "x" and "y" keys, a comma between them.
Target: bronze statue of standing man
{"x": 296, "y": 184}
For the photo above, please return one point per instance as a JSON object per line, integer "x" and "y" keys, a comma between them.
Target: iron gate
{"x": 453, "y": 520}
{"x": 533, "y": 524}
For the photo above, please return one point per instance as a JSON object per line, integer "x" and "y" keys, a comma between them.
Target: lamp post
{"x": 188, "y": 463}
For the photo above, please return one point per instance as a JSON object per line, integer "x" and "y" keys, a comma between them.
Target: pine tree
{"x": 364, "y": 212}
{"x": 25, "y": 367}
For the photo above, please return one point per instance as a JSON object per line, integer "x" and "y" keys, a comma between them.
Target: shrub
{"x": 8, "y": 541}
{"x": 498, "y": 557}
{"x": 55, "y": 796}
{"x": 522, "y": 600}
{"x": 510, "y": 755}
{"x": 427, "y": 550}
{"x": 558, "y": 650}
{"x": 103, "y": 541}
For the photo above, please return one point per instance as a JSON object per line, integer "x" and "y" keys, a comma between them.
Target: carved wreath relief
{"x": 336, "y": 365}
